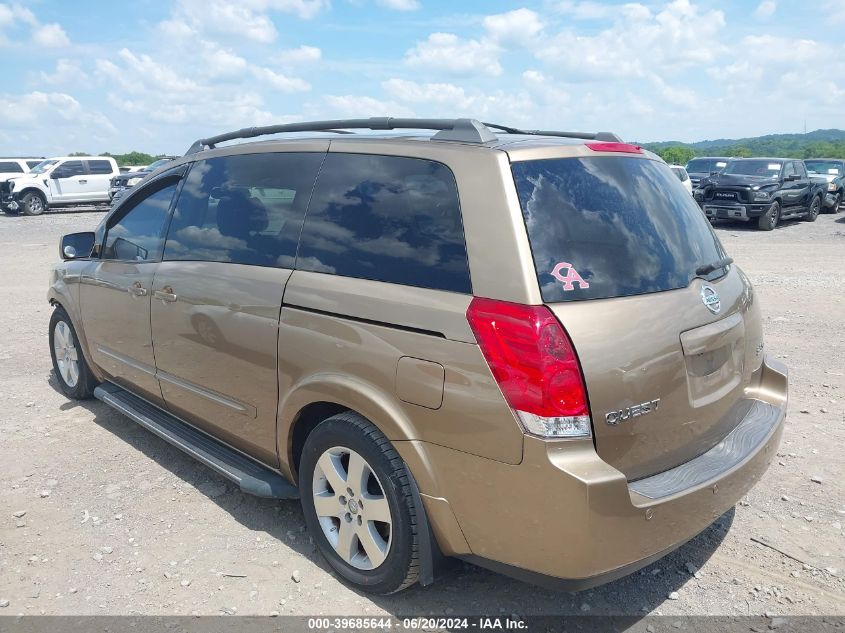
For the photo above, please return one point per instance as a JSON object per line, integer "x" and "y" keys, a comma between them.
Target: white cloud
{"x": 71, "y": 126}
{"x": 585, "y": 10}
{"x": 447, "y": 52}
{"x": 67, "y": 72}
{"x": 521, "y": 26}
{"x": 639, "y": 43}
{"x": 352, "y": 106}
{"x": 279, "y": 81}
{"x": 50, "y": 36}
{"x": 766, "y": 9}
{"x": 222, "y": 63}
{"x": 302, "y": 55}
{"x": 248, "y": 19}
{"x": 400, "y": 5}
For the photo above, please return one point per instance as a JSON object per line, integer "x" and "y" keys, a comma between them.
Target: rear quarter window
{"x": 625, "y": 225}
{"x": 386, "y": 218}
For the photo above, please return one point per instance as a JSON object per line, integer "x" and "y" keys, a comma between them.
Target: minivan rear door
{"x": 666, "y": 353}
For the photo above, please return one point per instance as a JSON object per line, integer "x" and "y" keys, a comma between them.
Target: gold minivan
{"x": 524, "y": 349}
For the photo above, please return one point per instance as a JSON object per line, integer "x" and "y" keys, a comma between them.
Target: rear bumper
{"x": 565, "y": 517}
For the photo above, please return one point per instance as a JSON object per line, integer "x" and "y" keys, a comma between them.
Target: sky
{"x": 154, "y": 75}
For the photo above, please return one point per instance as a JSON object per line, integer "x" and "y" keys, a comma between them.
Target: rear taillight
{"x": 534, "y": 363}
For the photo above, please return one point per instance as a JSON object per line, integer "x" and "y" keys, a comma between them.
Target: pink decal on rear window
{"x": 566, "y": 274}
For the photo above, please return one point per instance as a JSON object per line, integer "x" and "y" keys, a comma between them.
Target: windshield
{"x": 157, "y": 164}
{"x": 622, "y": 225}
{"x": 762, "y": 168}
{"x": 826, "y": 167}
{"x": 43, "y": 166}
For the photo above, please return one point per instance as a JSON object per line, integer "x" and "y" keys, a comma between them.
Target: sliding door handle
{"x": 137, "y": 289}
{"x": 165, "y": 294}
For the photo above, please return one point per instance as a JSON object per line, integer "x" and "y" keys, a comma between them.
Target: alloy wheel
{"x": 352, "y": 508}
{"x": 67, "y": 356}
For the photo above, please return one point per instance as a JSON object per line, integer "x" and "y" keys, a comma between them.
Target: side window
{"x": 389, "y": 219}
{"x": 71, "y": 168}
{"x": 139, "y": 234}
{"x": 243, "y": 209}
{"x": 32, "y": 163}
{"x": 99, "y": 167}
{"x": 799, "y": 169}
{"x": 788, "y": 170}
{"x": 10, "y": 168}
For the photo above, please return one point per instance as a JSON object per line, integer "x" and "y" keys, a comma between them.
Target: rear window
{"x": 611, "y": 227}
{"x": 99, "y": 167}
{"x": 386, "y": 218}
{"x": 8, "y": 167}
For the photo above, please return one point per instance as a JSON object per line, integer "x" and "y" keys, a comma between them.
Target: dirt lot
{"x": 98, "y": 516}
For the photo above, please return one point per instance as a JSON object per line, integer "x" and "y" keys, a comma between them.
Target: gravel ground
{"x": 98, "y": 516}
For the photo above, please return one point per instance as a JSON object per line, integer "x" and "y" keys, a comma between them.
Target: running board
{"x": 253, "y": 478}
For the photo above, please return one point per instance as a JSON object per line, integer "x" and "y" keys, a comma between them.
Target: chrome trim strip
{"x": 147, "y": 369}
{"x": 240, "y": 407}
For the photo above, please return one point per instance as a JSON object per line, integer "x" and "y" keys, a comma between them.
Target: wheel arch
{"x": 306, "y": 404}
{"x": 33, "y": 189}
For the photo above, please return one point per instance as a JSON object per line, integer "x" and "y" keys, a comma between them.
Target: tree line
{"x": 124, "y": 160}
{"x": 774, "y": 147}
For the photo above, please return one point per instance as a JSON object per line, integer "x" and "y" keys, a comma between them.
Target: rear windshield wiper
{"x": 706, "y": 269}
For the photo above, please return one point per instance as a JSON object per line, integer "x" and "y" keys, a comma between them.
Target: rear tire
{"x": 33, "y": 204}
{"x": 385, "y": 558}
{"x": 769, "y": 220}
{"x": 72, "y": 372}
{"x": 815, "y": 209}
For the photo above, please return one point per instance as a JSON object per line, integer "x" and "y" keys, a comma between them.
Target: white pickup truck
{"x": 61, "y": 181}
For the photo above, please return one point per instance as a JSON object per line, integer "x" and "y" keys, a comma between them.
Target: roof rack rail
{"x": 590, "y": 136}
{"x": 462, "y": 130}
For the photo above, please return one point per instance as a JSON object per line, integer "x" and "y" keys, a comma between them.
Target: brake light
{"x": 625, "y": 148}
{"x": 534, "y": 364}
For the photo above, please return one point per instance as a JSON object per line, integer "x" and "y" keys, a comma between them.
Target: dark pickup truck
{"x": 830, "y": 172}
{"x": 767, "y": 190}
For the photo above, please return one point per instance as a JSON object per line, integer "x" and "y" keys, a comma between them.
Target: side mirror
{"x": 76, "y": 245}
{"x": 792, "y": 177}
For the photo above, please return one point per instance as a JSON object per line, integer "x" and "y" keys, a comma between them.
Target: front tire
{"x": 357, "y": 501}
{"x": 837, "y": 202}
{"x": 769, "y": 220}
{"x": 815, "y": 209}
{"x": 33, "y": 204}
{"x": 72, "y": 372}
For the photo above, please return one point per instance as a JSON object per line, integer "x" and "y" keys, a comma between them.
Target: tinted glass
{"x": 10, "y": 168}
{"x": 245, "y": 209}
{"x": 71, "y": 168}
{"x": 389, "y": 219}
{"x": 626, "y": 226}
{"x": 701, "y": 165}
{"x": 826, "y": 167}
{"x": 789, "y": 170}
{"x": 139, "y": 234}
{"x": 99, "y": 167}
{"x": 755, "y": 167}
{"x": 32, "y": 163}
{"x": 799, "y": 169}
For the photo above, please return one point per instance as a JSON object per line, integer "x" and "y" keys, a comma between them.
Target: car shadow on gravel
{"x": 459, "y": 588}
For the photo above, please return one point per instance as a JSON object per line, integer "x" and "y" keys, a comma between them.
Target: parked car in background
{"x": 767, "y": 190}
{"x": 705, "y": 166}
{"x": 127, "y": 168}
{"x": 831, "y": 173}
{"x": 61, "y": 181}
{"x": 120, "y": 183}
{"x": 683, "y": 176}
{"x": 412, "y": 335}
{"x": 11, "y": 167}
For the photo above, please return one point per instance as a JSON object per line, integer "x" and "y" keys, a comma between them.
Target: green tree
{"x": 676, "y": 154}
